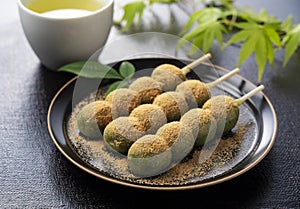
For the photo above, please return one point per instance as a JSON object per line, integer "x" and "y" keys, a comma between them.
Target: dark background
{"x": 34, "y": 174}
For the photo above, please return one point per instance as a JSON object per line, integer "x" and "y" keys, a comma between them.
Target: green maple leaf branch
{"x": 133, "y": 12}
{"x": 291, "y": 42}
{"x": 258, "y": 39}
{"x": 260, "y": 34}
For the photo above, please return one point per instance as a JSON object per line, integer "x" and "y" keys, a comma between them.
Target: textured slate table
{"x": 34, "y": 174}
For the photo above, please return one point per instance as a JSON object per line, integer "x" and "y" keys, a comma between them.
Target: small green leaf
{"x": 290, "y": 48}
{"x": 91, "y": 69}
{"x": 205, "y": 34}
{"x": 198, "y": 41}
{"x": 203, "y": 16}
{"x": 287, "y": 24}
{"x": 193, "y": 18}
{"x": 270, "y": 50}
{"x": 229, "y": 13}
{"x": 131, "y": 11}
{"x": 261, "y": 55}
{"x": 163, "y": 1}
{"x": 196, "y": 31}
{"x": 273, "y": 36}
{"x": 238, "y": 37}
{"x": 127, "y": 69}
{"x": 266, "y": 18}
{"x": 209, "y": 38}
{"x": 257, "y": 39}
{"x": 263, "y": 17}
{"x": 218, "y": 35}
{"x": 246, "y": 25}
{"x": 291, "y": 41}
{"x": 210, "y": 14}
{"x": 248, "y": 48}
{"x": 116, "y": 85}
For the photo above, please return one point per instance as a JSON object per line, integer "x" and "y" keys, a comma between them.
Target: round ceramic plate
{"x": 235, "y": 153}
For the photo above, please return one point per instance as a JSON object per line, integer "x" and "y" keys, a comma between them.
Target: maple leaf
{"x": 260, "y": 33}
{"x": 204, "y": 34}
{"x": 258, "y": 39}
{"x": 263, "y": 17}
{"x": 163, "y": 1}
{"x": 207, "y": 30}
{"x": 132, "y": 11}
{"x": 291, "y": 42}
{"x": 203, "y": 16}
{"x": 287, "y": 24}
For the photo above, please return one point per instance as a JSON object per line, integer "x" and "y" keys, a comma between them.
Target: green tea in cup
{"x": 65, "y": 8}
{"x": 64, "y": 31}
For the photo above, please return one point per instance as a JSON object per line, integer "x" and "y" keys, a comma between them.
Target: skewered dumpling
{"x": 122, "y": 132}
{"x": 147, "y": 88}
{"x": 149, "y": 156}
{"x": 195, "y": 91}
{"x": 169, "y": 75}
{"x": 179, "y": 138}
{"x": 173, "y": 104}
{"x": 93, "y": 118}
{"x": 123, "y": 101}
{"x": 202, "y": 123}
{"x": 226, "y": 111}
{"x": 150, "y": 116}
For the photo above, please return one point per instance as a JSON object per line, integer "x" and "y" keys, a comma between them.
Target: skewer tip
{"x": 250, "y": 94}
{"x": 208, "y": 55}
{"x": 260, "y": 87}
{"x": 195, "y": 63}
{"x": 224, "y": 77}
{"x": 237, "y": 70}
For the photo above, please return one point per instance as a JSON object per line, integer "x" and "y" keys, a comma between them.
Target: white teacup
{"x": 61, "y": 32}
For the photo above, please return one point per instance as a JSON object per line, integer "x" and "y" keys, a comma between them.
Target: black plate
{"x": 257, "y": 114}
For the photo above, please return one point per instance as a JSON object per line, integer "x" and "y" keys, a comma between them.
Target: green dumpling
{"x": 226, "y": 111}
{"x": 169, "y": 75}
{"x": 150, "y": 116}
{"x": 173, "y": 104}
{"x": 179, "y": 138}
{"x": 195, "y": 91}
{"x": 122, "y": 132}
{"x": 202, "y": 123}
{"x": 123, "y": 101}
{"x": 93, "y": 118}
{"x": 147, "y": 88}
{"x": 149, "y": 156}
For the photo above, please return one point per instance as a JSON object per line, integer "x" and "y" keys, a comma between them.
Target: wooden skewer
{"x": 249, "y": 94}
{"x": 195, "y": 63}
{"x": 223, "y": 78}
